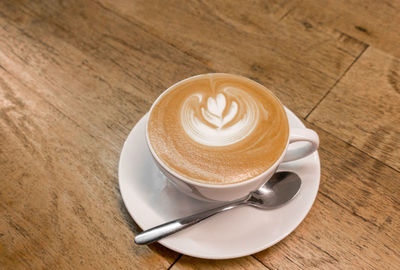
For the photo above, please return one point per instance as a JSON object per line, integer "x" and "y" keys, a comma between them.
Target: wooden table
{"x": 75, "y": 77}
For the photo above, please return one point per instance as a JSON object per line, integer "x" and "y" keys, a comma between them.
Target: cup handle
{"x": 301, "y": 135}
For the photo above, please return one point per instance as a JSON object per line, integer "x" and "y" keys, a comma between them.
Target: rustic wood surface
{"x": 75, "y": 77}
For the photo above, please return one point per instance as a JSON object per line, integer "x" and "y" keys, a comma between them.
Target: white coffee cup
{"x": 228, "y": 192}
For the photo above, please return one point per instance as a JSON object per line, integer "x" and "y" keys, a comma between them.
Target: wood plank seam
{"x": 202, "y": 61}
{"x": 146, "y": 31}
{"x": 287, "y": 13}
{"x": 349, "y": 144}
{"x": 349, "y": 36}
{"x": 176, "y": 260}
{"x": 337, "y": 81}
{"x": 255, "y": 257}
{"x": 305, "y": 248}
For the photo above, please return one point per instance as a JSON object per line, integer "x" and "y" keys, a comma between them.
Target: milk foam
{"x": 218, "y": 128}
{"x": 219, "y": 123}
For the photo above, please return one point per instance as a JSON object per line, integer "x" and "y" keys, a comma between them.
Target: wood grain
{"x": 354, "y": 223}
{"x": 373, "y": 22}
{"x": 229, "y": 40}
{"x": 59, "y": 196}
{"x": 75, "y": 77}
{"x": 363, "y": 109}
{"x": 244, "y": 263}
{"x": 82, "y": 81}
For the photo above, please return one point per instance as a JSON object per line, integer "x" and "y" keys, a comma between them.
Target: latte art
{"x": 214, "y": 122}
{"x": 217, "y": 129}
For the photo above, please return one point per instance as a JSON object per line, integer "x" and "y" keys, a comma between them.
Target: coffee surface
{"x": 218, "y": 129}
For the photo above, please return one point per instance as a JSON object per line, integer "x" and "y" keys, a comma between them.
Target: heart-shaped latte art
{"x": 216, "y": 105}
{"x": 214, "y": 114}
{"x": 219, "y": 124}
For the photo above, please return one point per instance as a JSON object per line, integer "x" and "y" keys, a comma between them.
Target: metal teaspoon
{"x": 282, "y": 187}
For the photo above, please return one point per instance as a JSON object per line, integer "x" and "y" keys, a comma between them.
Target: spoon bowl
{"x": 280, "y": 189}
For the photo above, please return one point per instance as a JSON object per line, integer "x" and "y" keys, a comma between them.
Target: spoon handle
{"x": 154, "y": 234}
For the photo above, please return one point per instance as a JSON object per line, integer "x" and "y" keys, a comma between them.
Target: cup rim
{"x": 214, "y": 186}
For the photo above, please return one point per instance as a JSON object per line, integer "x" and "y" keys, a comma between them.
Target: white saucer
{"x": 152, "y": 200}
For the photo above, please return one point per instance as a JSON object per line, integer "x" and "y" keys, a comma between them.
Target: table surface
{"x": 75, "y": 77}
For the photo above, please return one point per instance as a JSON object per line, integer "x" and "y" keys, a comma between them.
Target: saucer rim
{"x": 247, "y": 251}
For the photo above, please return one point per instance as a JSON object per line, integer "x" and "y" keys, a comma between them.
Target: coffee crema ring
{"x": 217, "y": 129}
